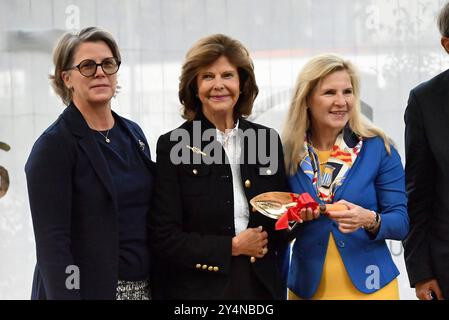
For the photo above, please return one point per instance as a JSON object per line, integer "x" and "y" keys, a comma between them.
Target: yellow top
{"x": 335, "y": 283}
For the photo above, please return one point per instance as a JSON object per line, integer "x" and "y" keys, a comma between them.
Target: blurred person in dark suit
{"x": 427, "y": 177}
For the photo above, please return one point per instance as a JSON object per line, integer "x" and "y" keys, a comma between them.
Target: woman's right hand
{"x": 251, "y": 242}
{"x": 307, "y": 214}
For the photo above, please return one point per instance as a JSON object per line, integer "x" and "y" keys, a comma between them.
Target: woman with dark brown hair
{"x": 209, "y": 168}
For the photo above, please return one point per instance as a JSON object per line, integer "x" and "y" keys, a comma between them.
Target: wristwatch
{"x": 375, "y": 223}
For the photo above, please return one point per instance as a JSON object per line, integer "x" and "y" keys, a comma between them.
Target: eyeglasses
{"x": 88, "y": 67}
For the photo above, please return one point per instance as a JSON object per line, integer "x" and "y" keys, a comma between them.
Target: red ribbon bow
{"x": 302, "y": 201}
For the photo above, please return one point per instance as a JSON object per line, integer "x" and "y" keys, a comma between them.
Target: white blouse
{"x": 230, "y": 140}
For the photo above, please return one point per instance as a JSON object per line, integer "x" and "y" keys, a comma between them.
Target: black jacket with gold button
{"x": 192, "y": 224}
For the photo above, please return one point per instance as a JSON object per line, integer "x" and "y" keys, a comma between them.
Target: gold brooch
{"x": 196, "y": 150}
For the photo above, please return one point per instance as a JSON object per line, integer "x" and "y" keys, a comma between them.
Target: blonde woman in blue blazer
{"x": 336, "y": 155}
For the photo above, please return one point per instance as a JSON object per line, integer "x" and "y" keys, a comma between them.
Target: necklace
{"x": 105, "y": 136}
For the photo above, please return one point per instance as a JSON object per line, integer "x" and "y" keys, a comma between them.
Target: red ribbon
{"x": 302, "y": 201}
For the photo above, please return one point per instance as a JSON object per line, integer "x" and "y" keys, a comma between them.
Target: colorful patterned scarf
{"x": 342, "y": 157}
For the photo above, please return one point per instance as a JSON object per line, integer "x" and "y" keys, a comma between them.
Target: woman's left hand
{"x": 352, "y": 219}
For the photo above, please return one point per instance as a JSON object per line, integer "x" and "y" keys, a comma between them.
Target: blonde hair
{"x": 64, "y": 55}
{"x": 298, "y": 122}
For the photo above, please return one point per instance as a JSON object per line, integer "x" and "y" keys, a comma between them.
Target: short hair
{"x": 205, "y": 52}
{"x": 64, "y": 53}
{"x": 443, "y": 21}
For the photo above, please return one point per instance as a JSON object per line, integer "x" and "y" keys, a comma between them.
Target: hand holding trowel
{"x": 286, "y": 207}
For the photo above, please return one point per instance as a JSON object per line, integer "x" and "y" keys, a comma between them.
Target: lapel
{"x": 244, "y": 166}
{"x": 139, "y": 142}
{"x": 443, "y": 93}
{"x": 339, "y": 193}
{"x": 305, "y": 184}
{"x": 79, "y": 128}
{"x": 351, "y": 141}
{"x": 207, "y": 145}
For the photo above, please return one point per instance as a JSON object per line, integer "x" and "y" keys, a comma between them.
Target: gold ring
{"x": 264, "y": 251}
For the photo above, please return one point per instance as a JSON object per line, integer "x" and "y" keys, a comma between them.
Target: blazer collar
{"x": 206, "y": 124}
{"x": 137, "y": 138}
{"x": 213, "y": 143}
{"x": 443, "y": 91}
{"x": 75, "y": 121}
{"x": 79, "y": 127}
{"x": 76, "y": 124}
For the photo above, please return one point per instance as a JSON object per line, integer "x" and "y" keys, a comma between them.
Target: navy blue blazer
{"x": 376, "y": 182}
{"x": 74, "y": 210}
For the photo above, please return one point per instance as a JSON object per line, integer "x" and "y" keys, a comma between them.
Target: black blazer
{"x": 427, "y": 179}
{"x": 193, "y": 221}
{"x": 74, "y": 209}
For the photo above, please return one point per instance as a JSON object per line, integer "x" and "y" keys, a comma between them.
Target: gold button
{"x": 216, "y": 269}
{"x": 204, "y": 266}
{"x": 247, "y": 184}
{"x": 198, "y": 266}
{"x": 210, "y": 268}
{"x": 269, "y": 172}
{"x": 195, "y": 172}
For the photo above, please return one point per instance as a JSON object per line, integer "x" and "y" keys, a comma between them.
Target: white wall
{"x": 394, "y": 43}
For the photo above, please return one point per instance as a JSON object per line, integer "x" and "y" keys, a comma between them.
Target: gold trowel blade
{"x": 272, "y": 204}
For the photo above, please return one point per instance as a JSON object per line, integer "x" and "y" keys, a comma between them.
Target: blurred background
{"x": 394, "y": 43}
